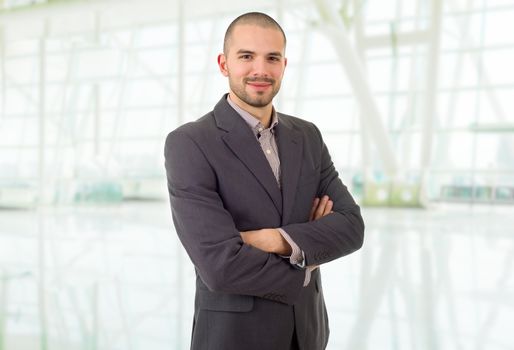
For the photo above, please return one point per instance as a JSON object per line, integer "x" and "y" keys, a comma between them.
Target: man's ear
{"x": 222, "y": 64}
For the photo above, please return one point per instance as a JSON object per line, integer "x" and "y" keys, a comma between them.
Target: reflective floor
{"x": 115, "y": 277}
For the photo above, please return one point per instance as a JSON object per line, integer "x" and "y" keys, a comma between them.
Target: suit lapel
{"x": 290, "y": 146}
{"x": 240, "y": 139}
{"x": 247, "y": 149}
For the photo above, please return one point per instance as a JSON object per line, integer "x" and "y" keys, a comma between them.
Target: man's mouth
{"x": 259, "y": 84}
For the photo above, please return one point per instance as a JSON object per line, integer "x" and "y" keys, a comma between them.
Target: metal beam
{"x": 179, "y": 268}
{"x": 126, "y": 64}
{"x": 181, "y": 38}
{"x": 335, "y": 30}
{"x": 41, "y": 290}
{"x": 2, "y": 73}
{"x": 42, "y": 115}
{"x": 365, "y": 138}
{"x": 398, "y": 39}
{"x": 432, "y": 81}
{"x": 493, "y": 127}
{"x": 302, "y": 70}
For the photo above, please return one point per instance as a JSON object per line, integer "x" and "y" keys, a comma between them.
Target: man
{"x": 258, "y": 206}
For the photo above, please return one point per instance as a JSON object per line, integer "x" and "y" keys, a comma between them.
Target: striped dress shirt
{"x": 266, "y": 138}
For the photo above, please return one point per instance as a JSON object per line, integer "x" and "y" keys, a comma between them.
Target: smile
{"x": 259, "y": 86}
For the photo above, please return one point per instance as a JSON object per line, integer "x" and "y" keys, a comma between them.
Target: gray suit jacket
{"x": 220, "y": 183}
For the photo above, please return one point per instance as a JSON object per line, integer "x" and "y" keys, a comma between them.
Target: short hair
{"x": 256, "y": 18}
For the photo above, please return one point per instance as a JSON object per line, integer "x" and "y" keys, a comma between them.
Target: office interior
{"x": 414, "y": 99}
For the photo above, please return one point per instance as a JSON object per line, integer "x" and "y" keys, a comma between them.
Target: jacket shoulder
{"x": 305, "y": 127}
{"x": 195, "y": 130}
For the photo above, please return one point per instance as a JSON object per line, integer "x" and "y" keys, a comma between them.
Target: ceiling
{"x": 59, "y": 17}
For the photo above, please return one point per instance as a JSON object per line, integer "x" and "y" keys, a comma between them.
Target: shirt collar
{"x": 253, "y": 122}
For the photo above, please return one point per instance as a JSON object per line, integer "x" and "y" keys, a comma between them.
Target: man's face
{"x": 254, "y": 64}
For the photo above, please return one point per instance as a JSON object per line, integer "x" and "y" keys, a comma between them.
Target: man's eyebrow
{"x": 274, "y": 53}
{"x": 240, "y": 51}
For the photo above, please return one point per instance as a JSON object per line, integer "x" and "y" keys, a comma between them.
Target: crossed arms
{"x": 248, "y": 263}
{"x": 270, "y": 240}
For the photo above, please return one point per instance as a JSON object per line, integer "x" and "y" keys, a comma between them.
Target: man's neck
{"x": 263, "y": 114}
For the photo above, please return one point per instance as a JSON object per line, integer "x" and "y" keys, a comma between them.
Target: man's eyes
{"x": 249, "y": 57}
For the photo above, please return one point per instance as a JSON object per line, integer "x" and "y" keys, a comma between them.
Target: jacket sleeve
{"x": 208, "y": 233}
{"x": 334, "y": 235}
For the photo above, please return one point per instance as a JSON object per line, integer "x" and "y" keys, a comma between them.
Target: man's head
{"x": 251, "y": 18}
{"x": 253, "y": 59}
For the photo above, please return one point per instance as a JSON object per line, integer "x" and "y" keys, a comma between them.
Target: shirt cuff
{"x": 297, "y": 256}
{"x": 308, "y": 272}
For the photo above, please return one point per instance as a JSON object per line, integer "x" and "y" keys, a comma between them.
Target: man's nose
{"x": 260, "y": 67}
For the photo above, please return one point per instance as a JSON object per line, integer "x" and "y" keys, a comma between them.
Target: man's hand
{"x": 268, "y": 240}
{"x": 321, "y": 207}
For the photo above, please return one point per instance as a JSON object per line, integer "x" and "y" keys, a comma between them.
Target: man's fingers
{"x": 320, "y": 210}
{"x": 328, "y": 208}
{"x": 313, "y": 209}
{"x": 321, "y": 207}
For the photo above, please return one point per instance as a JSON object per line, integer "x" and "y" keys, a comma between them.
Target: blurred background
{"x": 414, "y": 98}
